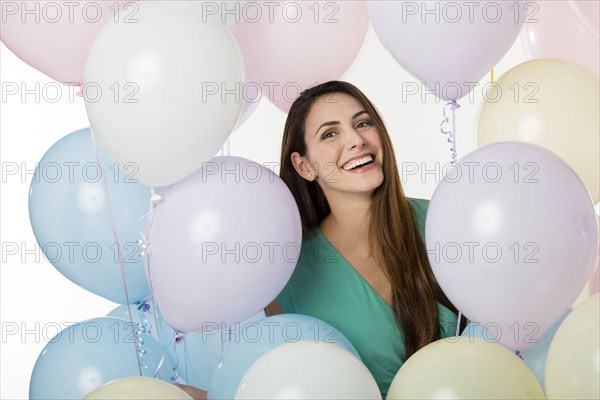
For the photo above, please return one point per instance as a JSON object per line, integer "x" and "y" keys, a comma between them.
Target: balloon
{"x": 142, "y": 315}
{"x": 196, "y": 355}
{"x": 534, "y": 357}
{"x": 254, "y": 340}
{"x": 308, "y": 370}
{"x": 291, "y": 45}
{"x": 137, "y": 388}
{"x": 449, "y": 46}
{"x": 464, "y": 368}
{"x": 572, "y": 367}
{"x": 511, "y": 236}
{"x": 199, "y": 353}
{"x": 76, "y": 199}
{"x": 55, "y": 37}
{"x": 594, "y": 285}
{"x": 164, "y": 93}
{"x": 224, "y": 243}
{"x": 588, "y": 13}
{"x": 551, "y": 103}
{"x": 90, "y": 353}
{"x": 250, "y": 105}
{"x": 572, "y": 42}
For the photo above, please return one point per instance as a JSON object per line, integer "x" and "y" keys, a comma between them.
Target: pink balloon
{"x": 512, "y": 238}
{"x": 447, "y": 45}
{"x": 293, "y": 45}
{"x": 588, "y": 13}
{"x": 223, "y": 244}
{"x": 556, "y": 32}
{"x": 54, "y": 37}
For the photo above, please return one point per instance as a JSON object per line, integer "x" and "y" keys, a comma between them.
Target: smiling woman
{"x": 363, "y": 266}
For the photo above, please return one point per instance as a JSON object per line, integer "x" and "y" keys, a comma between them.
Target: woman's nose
{"x": 355, "y": 139}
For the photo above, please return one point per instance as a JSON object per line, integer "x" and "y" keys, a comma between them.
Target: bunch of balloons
{"x": 137, "y": 209}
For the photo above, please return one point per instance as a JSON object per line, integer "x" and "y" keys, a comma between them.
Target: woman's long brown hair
{"x": 394, "y": 236}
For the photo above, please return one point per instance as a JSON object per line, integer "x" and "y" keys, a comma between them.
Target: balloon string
{"x": 144, "y": 243}
{"x": 179, "y": 338}
{"x": 453, "y": 105}
{"x": 162, "y": 361}
{"x": 458, "y": 324}
{"x": 155, "y": 313}
{"x": 143, "y": 307}
{"x": 175, "y": 340}
{"x": 185, "y": 358}
{"x": 116, "y": 239}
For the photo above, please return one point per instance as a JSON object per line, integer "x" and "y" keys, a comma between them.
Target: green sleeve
{"x": 419, "y": 207}
{"x": 285, "y": 298}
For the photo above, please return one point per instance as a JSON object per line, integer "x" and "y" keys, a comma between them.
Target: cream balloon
{"x": 573, "y": 362}
{"x": 308, "y": 370}
{"x": 163, "y": 93}
{"x": 552, "y": 103}
{"x": 464, "y": 367}
{"x": 137, "y": 388}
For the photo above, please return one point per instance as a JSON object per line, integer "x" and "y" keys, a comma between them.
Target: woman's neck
{"x": 347, "y": 222}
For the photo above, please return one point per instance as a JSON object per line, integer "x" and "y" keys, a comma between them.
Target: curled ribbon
{"x": 177, "y": 339}
{"x": 452, "y": 105}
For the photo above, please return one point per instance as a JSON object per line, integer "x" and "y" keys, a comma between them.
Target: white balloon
{"x": 162, "y": 88}
{"x": 308, "y": 370}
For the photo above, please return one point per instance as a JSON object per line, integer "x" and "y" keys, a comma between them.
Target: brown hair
{"x": 393, "y": 231}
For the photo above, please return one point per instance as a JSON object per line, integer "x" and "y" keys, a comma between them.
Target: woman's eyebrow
{"x": 329, "y": 123}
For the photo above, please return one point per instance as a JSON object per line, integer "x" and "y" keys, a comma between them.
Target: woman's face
{"x": 344, "y": 151}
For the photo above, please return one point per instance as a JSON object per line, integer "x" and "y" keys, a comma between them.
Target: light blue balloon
{"x": 535, "y": 356}
{"x": 197, "y": 354}
{"x": 246, "y": 344}
{"x": 90, "y": 353}
{"x": 69, "y": 214}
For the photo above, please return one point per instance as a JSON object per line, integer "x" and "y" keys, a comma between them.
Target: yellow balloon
{"x": 573, "y": 362}
{"x": 464, "y": 367}
{"x": 137, "y": 388}
{"x": 552, "y": 103}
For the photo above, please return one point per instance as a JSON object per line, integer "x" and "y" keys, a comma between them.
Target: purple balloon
{"x": 223, "y": 243}
{"x": 512, "y": 237}
{"x": 447, "y": 45}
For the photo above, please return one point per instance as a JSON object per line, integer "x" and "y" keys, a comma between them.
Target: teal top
{"x": 324, "y": 285}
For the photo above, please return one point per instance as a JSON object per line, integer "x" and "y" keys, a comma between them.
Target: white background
{"x": 35, "y": 293}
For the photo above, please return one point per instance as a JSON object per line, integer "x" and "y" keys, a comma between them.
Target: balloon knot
{"x": 80, "y": 86}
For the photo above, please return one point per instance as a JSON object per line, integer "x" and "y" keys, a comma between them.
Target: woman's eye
{"x": 364, "y": 124}
{"x": 328, "y": 134}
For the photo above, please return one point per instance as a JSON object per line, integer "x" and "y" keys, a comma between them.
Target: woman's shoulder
{"x": 419, "y": 205}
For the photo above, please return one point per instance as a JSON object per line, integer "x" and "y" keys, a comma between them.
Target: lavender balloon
{"x": 511, "y": 236}
{"x": 447, "y": 45}
{"x": 223, "y": 244}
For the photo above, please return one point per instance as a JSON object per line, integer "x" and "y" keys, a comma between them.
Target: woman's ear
{"x": 303, "y": 167}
